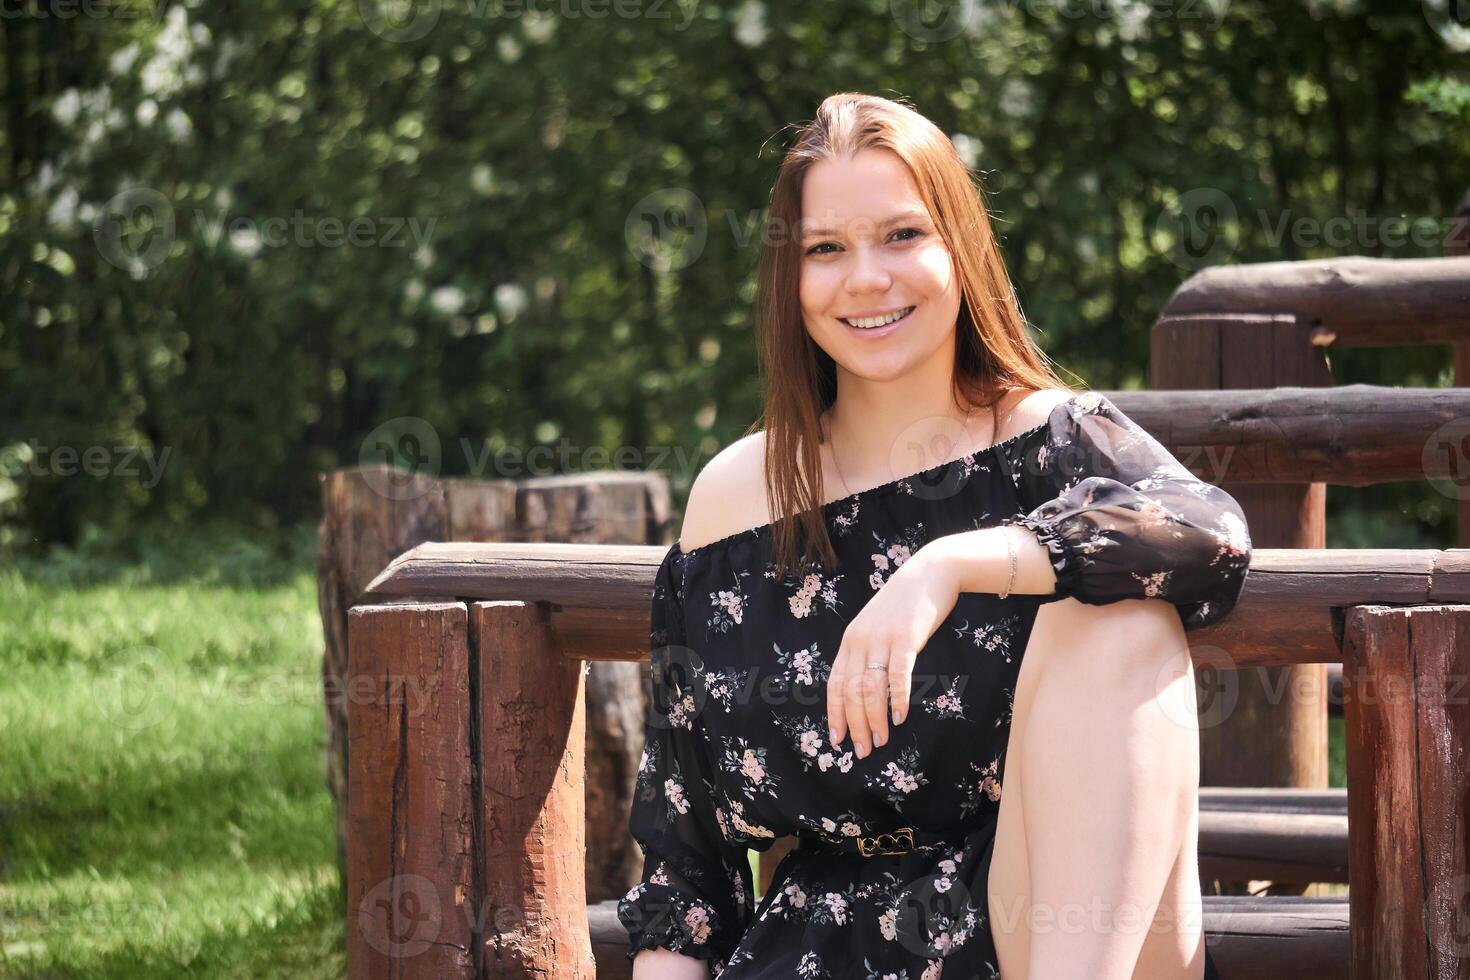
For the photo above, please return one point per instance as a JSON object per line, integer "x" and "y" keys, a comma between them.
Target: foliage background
{"x": 525, "y": 139}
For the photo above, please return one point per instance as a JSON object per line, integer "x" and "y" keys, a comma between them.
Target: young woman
{"x": 961, "y": 680}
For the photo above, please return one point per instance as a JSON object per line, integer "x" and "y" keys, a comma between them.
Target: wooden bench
{"x": 466, "y": 809}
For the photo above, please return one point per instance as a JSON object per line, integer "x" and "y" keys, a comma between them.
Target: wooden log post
{"x": 370, "y": 515}
{"x": 465, "y": 796}
{"x": 530, "y": 738}
{"x": 1276, "y": 732}
{"x": 1408, "y": 729}
{"x": 410, "y": 799}
{"x": 373, "y": 514}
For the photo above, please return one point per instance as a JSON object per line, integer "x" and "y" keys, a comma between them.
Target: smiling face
{"x": 870, "y": 253}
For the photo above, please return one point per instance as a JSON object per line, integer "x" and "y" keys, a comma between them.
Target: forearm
{"x": 665, "y": 964}
{"x": 976, "y": 561}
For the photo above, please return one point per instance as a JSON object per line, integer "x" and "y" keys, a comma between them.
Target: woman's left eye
{"x": 917, "y": 233}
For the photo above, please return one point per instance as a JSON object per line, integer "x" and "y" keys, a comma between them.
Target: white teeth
{"x": 868, "y": 323}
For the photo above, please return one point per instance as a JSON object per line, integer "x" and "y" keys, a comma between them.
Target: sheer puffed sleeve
{"x": 695, "y": 895}
{"x": 1123, "y": 519}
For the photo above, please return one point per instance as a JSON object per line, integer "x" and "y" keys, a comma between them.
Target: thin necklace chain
{"x": 832, "y": 447}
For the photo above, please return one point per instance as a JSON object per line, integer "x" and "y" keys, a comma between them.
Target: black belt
{"x": 900, "y": 841}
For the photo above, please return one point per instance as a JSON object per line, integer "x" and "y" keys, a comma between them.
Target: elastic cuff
{"x": 666, "y": 928}
{"x": 1065, "y": 561}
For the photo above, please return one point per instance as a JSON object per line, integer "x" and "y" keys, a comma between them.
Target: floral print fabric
{"x": 1122, "y": 518}
{"x": 736, "y": 750}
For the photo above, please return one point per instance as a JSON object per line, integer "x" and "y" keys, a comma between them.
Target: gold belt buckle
{"x": 887, "y": 843}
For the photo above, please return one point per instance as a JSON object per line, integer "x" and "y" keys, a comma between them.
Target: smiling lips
{"x": 877, "y": 322}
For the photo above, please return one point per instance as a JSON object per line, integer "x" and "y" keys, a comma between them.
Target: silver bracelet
{"x": 1012, "y": 557}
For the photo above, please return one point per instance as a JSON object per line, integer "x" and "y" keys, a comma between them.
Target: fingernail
{"x": 896, "y": 718}
{"x": 862, "y": 751}
{"x": 832, "y": 734}
{"x": 880, "y": 740}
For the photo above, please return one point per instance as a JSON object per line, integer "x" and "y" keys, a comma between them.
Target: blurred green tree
{"x": 243, "y": 243}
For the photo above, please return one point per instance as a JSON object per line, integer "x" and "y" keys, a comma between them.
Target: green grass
{"x": 163, "y": 810}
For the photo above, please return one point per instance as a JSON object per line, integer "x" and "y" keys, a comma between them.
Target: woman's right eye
{"x": 813, "y": 249}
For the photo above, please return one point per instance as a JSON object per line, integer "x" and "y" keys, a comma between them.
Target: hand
{"x": 891, "y": 629}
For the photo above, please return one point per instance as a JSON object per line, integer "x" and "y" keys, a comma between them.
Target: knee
{"x": 1116, "y": 641}
{"x": 1129, "y": 660}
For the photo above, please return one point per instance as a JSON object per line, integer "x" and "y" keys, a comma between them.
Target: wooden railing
{"x": 1271, "y": 326}
{"x": 466, "y": 797}
{"x": 466, "y": 671}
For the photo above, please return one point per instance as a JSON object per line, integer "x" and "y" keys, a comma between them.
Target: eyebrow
{"x": 809, "y": 231}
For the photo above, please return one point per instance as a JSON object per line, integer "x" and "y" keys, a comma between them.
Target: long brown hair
{"x": 994, "y": 352}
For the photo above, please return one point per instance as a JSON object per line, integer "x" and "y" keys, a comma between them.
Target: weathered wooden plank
{"x": 1278, "y": 938}
{"x": 530, "y": 734}
{"x": 410, "y": 813}
{"x": 1408, "y": 768}
{"x": 1274, "y": 799}
{"x": 1349, "y": 435}
{"x": 598, "y": 594}
{"x": 1301, "y": 848}
{"x": 1363, "y": 302}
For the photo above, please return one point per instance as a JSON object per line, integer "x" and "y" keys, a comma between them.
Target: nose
{"x": 866, "y": 273}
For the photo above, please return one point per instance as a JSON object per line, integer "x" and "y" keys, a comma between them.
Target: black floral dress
{"x": 737, "y": 752}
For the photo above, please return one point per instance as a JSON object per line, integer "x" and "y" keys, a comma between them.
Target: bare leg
{"x": 1095, "y": 873}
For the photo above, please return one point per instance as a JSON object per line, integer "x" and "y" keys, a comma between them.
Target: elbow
{"x": 1220, "y": 596}
{"x": 1203, "y": 579}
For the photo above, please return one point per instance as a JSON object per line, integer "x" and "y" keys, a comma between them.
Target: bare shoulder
{"x": 1029, "y": 409}
{"x": 728, "y": 495}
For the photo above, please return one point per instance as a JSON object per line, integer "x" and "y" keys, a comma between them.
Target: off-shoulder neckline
{"x": 756, "y": 530}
